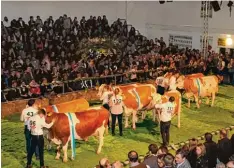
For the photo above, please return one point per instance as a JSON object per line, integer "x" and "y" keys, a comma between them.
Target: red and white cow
{"x": 138, "y": 97}
{"x": 206, "y": 86}
{"x": 91, "y": 122}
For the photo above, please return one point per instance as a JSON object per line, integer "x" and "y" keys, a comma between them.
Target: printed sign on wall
{"x": 182, "y": 41}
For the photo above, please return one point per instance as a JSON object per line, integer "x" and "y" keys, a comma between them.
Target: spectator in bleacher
{"x": 180, "y": 159}
{"x": 133, "y": 159}
{"x": 224, "y": 147}
{"x": 201, "y": 161}
{"x": 24, "y": 91}
{"x": 220, "y": 165}
{"x": 151, "y": 159}
{"x": 14, "y": 92}
{"x": 211, "y": 150}
{"x": 230, "y": 164}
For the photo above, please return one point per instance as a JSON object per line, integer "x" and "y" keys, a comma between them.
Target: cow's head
{"x": 50, "y": 116}
{"x": 180, "y": 82}
{"x": 220, "y": 78}
{"x": 155, "y": 99}
{"x": 101, "y": 90}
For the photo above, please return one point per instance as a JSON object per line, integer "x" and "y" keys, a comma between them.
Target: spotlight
{"x": 161, "y": 2}
{"x": 215, "y": 5}
{"x": 228, "y": 41}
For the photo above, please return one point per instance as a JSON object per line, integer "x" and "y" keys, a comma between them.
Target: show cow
{"x": 78, "y": 125}
{"x": 70, "y": 106}
{"x": 138, "y": 97}
{"x": 199, "y": 86}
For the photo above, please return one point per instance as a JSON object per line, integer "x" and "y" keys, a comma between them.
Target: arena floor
{"x": 193, "y": 123}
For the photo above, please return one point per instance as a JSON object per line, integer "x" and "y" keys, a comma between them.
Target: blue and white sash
{"x": 55, "y": 108}
{"x": 72, "y": 124}
{"x": 137, "y": 98}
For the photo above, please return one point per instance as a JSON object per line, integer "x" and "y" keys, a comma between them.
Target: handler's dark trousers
{"x": 120, "y": 119}
{"x": 36, "y": 140}
{"x": 165, "y": 131}
{"x": 160, "y": 90}
{"x": 27, "y": 134}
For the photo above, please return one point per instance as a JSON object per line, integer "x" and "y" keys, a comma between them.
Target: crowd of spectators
{"x": 38, "y": 56}
{"x": 194, "y": 155}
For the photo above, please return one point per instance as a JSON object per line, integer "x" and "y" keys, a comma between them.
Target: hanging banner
{"x": 182, "y": 41}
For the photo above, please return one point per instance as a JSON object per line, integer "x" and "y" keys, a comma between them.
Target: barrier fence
{"x": 61, "y": 87}
{"x": 174, "y": 147}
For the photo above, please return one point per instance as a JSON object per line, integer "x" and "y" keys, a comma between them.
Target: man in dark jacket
{"x": 211, "y": 150}
{"x": 133, "y": 159}
{"x": 151, "y": 159}
{"x": 224, "y": 147}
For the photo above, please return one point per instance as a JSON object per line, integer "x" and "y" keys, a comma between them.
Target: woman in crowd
{"x": 201, "y": 161}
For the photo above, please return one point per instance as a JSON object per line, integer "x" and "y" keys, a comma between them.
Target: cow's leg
{"x": 213, "y": 99}
{"x": 208, "y": 100}
{"x": 197, "y": 100}
{"x": 58, "y": 152}
{"x": 143, "y": 115}
{"x": 134, "y": 119}
{"x": 126, "y": 121}
{"x": 65, "y": 145}
{"x": 189, "y": 99}
{"x": 101, "y": 138}
{"x": 154, "y": 115}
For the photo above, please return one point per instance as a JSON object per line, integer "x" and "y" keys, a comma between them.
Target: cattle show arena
{"x": 194, "y": 123}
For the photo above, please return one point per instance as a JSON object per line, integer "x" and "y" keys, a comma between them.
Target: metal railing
{"x": 61, "y": 87}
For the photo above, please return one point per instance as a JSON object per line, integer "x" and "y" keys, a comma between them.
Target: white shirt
{"x": 105, "y": 97}
{"x": 160, "y": 81}
{"x": 116, "y": 104}
{"x": 172, "y": 83}
{"x": 36, "y": 123}
{"x": 27, "y": 113}
{"x": 6, "y": 24}
{"x": 167, "y": 111}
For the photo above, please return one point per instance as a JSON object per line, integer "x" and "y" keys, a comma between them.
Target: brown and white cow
{"x": 70, "y": 106}
{"x": 206, "y": 86}
{"x": 138, "y": 97}
{"x": 91, "y": 122}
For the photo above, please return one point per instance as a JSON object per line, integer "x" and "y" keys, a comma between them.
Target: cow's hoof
{"x": 86, "y": 139}
{"x": 57, "y": 157}
{"x": 65, "y": 160}
{"x": 98, "y": 152}
{"x": 188, "y": 106}
{"x": 72, "y": 158}
{"x": 134, "y": 128}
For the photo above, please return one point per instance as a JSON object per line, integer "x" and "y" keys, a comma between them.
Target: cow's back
{"x": 70, "y": 106}
{"x": 91, "y": 120}
{"x": 177, "y": 96}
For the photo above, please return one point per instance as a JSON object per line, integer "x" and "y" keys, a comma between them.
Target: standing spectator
{"x": 224, "y": 147}
{"x": 151, "y": 159}
{"x": 211, "y": 150}
{"x": 165, "y": 115}
{"x": 232, "y": 141}
{"x": 162, "y": 150}
{"x": 26, "y": 114}
{"x": 202, "y": 161}
{"x": 192, "y": 156}
{"x": 180, "y": 159}
{"x": 133, "y": 159}
{"x": 231, "y": 71}
{"x": 116, "y": 108}
{"x": 168, "y": 160}
{"x": 105, "y": 99}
